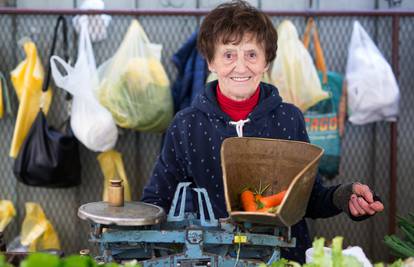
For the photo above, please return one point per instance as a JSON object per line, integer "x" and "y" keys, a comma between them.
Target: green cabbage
{"x": 140, "y": 98}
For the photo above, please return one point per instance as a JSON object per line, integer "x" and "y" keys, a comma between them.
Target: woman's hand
{"x": 362, "y": 201}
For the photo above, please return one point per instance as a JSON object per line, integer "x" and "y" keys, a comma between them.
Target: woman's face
{"x": 239, "y": 67}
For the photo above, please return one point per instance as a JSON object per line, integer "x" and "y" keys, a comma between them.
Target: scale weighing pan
{"x": 131, "y": 214}
{"x": 281, "y": 164}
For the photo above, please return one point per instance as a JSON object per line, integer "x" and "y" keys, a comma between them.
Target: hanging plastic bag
{"x": 37, "y": 232}
{"x": 112, "y": 167}
{"x": 293, "y": 72}
{"x": 91, "y": 123}
{"x": 322, "y": 119}
{"x": 27, "y": 79}
{"x": 7, "y": 212}
{"x": 134, "y": 85}
{"x": 373, "y": 93}
{"x": 98, "y": 24}
{"x": 57, "y": 162}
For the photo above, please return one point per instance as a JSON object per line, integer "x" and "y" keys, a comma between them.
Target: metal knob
{"x": 84, "y": 252}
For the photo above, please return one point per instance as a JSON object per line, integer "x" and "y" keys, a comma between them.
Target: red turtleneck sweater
{"x": 237, "y": 110}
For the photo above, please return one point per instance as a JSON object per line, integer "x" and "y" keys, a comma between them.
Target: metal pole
{"x": 201, "y": 12}
{"x": 393, "y": 132}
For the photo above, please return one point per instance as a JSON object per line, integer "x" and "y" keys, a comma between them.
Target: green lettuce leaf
{"x": 337, "y": 257}
{"x": 319, "y": 257}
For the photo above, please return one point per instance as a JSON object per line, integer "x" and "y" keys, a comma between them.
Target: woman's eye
{"x": 252, "y": 55}
{"x": 228, "y": 56}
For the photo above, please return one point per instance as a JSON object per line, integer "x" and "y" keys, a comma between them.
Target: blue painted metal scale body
{"x": 184, "y": 240}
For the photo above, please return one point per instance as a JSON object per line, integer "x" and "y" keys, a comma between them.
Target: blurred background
{"x": 366, "y": 150}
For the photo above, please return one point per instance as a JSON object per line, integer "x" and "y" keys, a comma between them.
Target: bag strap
{"x": 342, "y": 111}
{"x": 6, "y": 100}
{"x": 60, "y": 21}
{"x": 320, "y": 58}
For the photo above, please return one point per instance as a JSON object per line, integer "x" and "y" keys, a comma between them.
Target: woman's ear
{"x": 211, "y": 67}
{"x": 266, "y": 68}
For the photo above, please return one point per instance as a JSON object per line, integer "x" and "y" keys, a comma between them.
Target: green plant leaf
{"x": 3, "y": 262}
{"x": 397, "y": 263}
{"x": 41, "y": 259}
{"x": 319, "y": 257}
{"x": 78, "y": 261}
{"x": 337, "y": 258}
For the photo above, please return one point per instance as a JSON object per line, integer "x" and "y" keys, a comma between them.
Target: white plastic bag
{"x": 91, "y": 123}
{"x": 356, "y": 252}
{"x": 98, "y": 24}
{"x": 293, "y": 71}
{"x": 373, "y": 93}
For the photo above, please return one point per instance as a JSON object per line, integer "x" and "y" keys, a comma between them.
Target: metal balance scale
{"x": 143, "y": 231}
{"x": 139, "y": 231}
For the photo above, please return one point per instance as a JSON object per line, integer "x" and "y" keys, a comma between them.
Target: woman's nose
{"x": 240, "y": 65}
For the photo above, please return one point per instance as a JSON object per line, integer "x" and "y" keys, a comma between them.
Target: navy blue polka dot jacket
{"x": 191, "y": 152}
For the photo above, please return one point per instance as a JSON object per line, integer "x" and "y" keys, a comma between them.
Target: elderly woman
{"x": 239, "y": 42}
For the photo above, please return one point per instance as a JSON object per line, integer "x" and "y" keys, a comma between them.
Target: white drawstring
{"x": 239, "y": 126}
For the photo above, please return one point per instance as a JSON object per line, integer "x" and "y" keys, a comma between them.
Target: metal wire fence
{"x": 366, "y": 149}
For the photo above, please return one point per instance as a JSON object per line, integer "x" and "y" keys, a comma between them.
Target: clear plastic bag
{"x": 16, "y": 245}
{"x": 134, "y": 85}
{"x": 373, "y": 93}
{"x": 293, "y": 71}
{"x": 92, "y": 124}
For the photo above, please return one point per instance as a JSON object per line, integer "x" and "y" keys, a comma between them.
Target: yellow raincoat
{"x": 27, "y": 79}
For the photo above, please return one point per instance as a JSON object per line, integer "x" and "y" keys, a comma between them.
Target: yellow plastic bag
{"x": 293, "y": 71}
{"x": 37, "y": 232}
{"x": 7, "y": 212}
{"x": 27, "y": 80}
{"x": 112, "y": 167}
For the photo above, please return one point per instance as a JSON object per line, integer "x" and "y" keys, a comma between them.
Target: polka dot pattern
{"x": 191, "y": 152}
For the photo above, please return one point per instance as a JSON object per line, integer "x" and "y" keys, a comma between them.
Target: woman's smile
{"x": 239, "y": 67}
{"x": 240, "y": 79}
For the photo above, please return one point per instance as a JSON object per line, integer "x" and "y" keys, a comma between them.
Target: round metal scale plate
{"x": 131, "y": 214}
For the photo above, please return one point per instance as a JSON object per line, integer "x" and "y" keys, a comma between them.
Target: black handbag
{"x": 49, "y": 157}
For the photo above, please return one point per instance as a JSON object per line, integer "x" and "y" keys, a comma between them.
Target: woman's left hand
{"x": 362, "y": 201}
